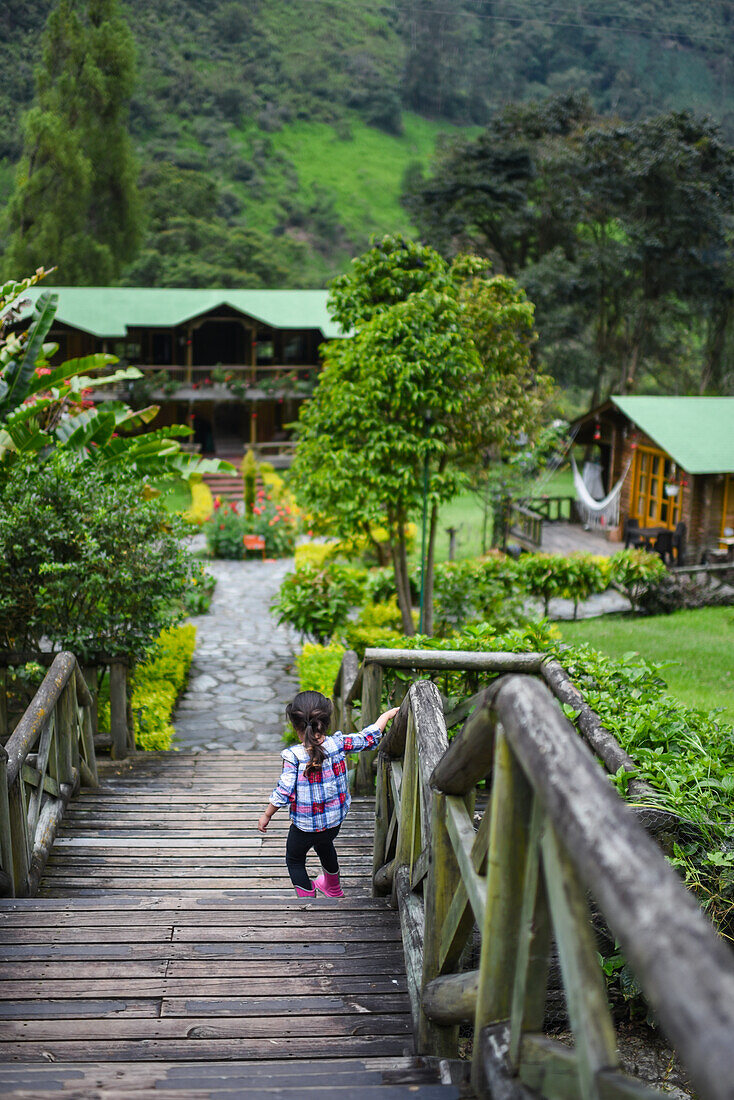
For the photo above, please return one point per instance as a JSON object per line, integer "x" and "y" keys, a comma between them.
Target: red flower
{"x": 40, "y": 371}
{"x": 217, "y": 503}
{"x": 221, "y": 526}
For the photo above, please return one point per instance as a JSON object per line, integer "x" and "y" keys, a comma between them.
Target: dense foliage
{"x": 157, "y": 682}
{"x": 621, "y": 233}
{"x": 318, "y": 597}
{"x": 218, "y": 82}
{"x": 86, "y": 562}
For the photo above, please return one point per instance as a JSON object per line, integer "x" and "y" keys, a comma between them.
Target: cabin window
{"x": 657, "y": 494}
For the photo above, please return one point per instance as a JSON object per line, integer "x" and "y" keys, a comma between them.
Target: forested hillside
{"x": 274, "y": 135}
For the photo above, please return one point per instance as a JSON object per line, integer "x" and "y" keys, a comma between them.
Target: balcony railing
{"x": 221, "y": 382}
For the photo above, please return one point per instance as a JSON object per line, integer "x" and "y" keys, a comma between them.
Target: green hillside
{"x": 296, "y": 120}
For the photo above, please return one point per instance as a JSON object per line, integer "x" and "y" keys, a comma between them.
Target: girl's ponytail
{"x": 310, "y": 716}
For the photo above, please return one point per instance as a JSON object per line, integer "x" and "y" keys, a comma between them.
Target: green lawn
{"x": 465, "y": 513}
{"x": 698, "y": 644}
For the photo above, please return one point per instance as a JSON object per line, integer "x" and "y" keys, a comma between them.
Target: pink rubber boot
{"x": 305, "y": 893}
{"x": 329, "y": 885}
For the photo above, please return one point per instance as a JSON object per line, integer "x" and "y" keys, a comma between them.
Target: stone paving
{"x": 243, "y": 673}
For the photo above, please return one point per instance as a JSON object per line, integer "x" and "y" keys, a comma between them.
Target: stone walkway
{"x": 243, "y": 674}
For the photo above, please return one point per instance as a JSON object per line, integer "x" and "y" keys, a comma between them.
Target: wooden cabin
{"x": 235, "y": 365}
{"x": 679, "y": 456}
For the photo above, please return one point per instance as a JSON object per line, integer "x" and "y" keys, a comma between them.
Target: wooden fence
{"x": 554, "y": 831}
{"x": 46, "y": 758}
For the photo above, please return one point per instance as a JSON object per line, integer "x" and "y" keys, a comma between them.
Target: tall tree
{"x": 621, "y": 233}
{"x": 437, "y": 370}
{"x": 76, "y": 202}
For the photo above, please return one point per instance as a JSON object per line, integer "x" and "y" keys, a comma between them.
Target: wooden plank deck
{"x": 167, "y": 950}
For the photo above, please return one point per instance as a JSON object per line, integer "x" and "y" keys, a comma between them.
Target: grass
{"x": 359, "y": 170}
{"x": 696, "y": 645}
{"x": 466, "y": 513}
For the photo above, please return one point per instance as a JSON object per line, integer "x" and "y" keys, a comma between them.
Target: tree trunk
{"x": 406, "y": 609}
{"x": 428, "y": 576}
{"x": 402, "y": 584}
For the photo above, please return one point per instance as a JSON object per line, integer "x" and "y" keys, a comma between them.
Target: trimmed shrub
{"x": 157, "y": 683}
{"x": 317, "y": 602}
{"x": 636, "y": 572}
{"x": 202, "y": 502}
{"x": 318, "y": 667}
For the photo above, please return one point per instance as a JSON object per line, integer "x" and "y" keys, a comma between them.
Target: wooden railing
{"x": 553, "y": 831}
{"x": 117, "y": 668}
{"x": 525, "y": 525}
{"x": 46, "y": 758}
{"x": 554, "y": 509}
{"x": 240, "y": 372}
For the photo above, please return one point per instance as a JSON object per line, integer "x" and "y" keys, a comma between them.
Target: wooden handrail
{"x": 553, "y": 830}
{"x": 46, "y": 758}
{"x": 118, "y": 666}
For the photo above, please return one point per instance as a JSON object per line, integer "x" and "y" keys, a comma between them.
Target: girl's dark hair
{"x": 310, "y": 715}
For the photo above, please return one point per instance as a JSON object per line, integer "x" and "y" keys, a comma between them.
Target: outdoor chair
{"x": 663, "y": 546}
{"x": 631, "y": 533}
{"x": 679, "y": 543}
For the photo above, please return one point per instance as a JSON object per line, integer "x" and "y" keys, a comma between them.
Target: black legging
{"x": 297, "y": 847}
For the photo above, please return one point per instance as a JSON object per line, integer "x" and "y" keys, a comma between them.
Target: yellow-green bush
{"x": 318, "y": 666}
{"x": 157, "y": 684}
{"x": 315, "y": 553}
{"x": 202, "y": 502}
{"x": 360, "y": 546}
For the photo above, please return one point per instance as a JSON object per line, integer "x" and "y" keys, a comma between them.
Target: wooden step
{"x": 167, "y": 951}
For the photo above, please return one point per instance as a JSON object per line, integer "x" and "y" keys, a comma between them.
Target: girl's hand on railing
{"x": 385, "y": 717}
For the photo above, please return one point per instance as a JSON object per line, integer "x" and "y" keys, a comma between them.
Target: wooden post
{"x": 18, "y": 814}
{"x": 118, "y": 710}
{"x": 408, "y": 805}
{"x": 443, "y": 881}
{"x": 510, "y": 804}
{"x": 90, "y": 676}
{"x": 371, "y": 701}
{"x": 65, "y": 732}
{"x": 533, "y": 953}
{"x": 586, "y": 996}
{"x": 6, "y": 845}
{"x": 382, "y": 822}
{"x": 129, "y": 711}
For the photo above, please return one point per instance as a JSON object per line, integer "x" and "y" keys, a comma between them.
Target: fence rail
{"x": 122, "y": 734}
{"x": 45, "y": 760}
{"x": 554, "y": 831}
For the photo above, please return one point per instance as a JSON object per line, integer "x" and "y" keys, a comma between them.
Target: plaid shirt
{"x": 321, "y": 799}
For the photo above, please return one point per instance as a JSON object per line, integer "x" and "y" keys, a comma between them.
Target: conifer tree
{"x": 76, "y": 203}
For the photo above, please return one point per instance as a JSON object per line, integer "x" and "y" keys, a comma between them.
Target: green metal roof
{"x": 110, "y": 311}
{"x": 697, "y": 432}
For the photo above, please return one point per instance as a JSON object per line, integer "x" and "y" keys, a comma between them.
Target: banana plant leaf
{"x": 18, "y": 373}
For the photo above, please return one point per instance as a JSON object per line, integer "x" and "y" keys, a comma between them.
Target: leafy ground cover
{"x": 695, "y": 648}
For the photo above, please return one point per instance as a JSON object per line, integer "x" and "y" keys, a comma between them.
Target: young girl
{"x": 314, "y": 781}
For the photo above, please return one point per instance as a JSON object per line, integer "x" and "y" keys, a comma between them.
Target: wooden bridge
{"x": 163, "y": 949}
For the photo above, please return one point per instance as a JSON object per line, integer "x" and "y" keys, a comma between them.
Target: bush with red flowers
{"x": 268, "y": 517}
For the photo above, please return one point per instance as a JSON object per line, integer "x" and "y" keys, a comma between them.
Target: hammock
{"x": 597, "y": 513}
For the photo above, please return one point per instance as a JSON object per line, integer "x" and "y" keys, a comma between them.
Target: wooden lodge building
{"x": 680, "y": 452}
{"x": 233, "y": 364}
